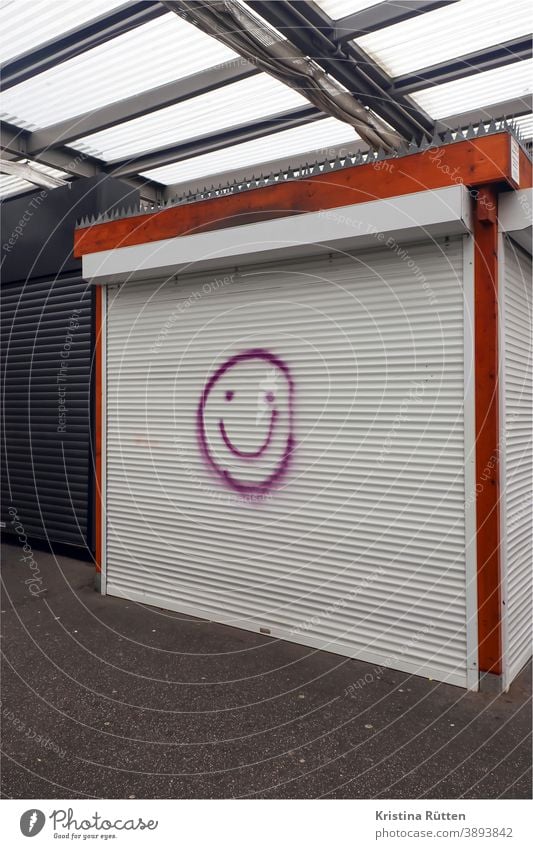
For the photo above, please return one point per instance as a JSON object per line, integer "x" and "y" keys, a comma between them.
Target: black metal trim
{"x": 91, "y": 471}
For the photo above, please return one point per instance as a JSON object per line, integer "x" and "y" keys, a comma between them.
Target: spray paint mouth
{"x": 249, "y": 455}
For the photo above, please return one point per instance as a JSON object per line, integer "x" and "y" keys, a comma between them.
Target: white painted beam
{"x": 515, "y": 216}
{"x": 398, "y": 219}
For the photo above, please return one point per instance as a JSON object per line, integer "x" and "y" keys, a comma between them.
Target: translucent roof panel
{"x": 14, "y": 185}
{"x": 30, "y": 23}
{"x": 340, "y": 8}
{"x": 153, "y": 54}
{"x": 525, "y": 126}
{"x": 247, "y": 100}
{"x": 477, "y": 91}
{"x": 319, "y": 135}
{"x": 10, "y": 185}
{"x": 446, "y": 33}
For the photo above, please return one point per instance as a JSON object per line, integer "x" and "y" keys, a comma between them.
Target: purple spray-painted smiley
{"x": 233, "y": 408}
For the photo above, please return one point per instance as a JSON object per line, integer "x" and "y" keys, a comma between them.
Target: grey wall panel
{"x": 38, "y": 227}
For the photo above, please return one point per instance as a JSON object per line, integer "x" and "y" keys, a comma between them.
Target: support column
{"x": 487, "y": 435}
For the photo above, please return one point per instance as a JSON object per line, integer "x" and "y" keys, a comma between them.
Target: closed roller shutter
{"x": 46, "y": 359}
{"x": 357, "y": 544}
{"x": 518, "y": 479}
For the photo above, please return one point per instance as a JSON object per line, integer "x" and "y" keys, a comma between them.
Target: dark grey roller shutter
{"x": 46, "y": 350}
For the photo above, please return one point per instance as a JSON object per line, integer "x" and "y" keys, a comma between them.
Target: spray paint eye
{"x": 269, "y": 396}
{"x": 229, "y": 394}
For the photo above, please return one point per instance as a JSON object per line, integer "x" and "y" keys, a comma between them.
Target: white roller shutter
{"x": 359, "y": 548}
{"x": 517, "y": 421}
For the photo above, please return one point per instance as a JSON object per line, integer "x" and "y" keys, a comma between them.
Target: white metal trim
{"x": 502, "y": 468}
{"x": 515, "y": 217}
{"x": 443, "y": 212}
{"x": 333, "y": 646}
{"x": 472, "y": 666}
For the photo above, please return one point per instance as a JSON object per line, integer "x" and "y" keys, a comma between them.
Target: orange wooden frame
{"x": 473, "y": 162}
{"x": 483, "y": 164}
{"x": 487, "y": 430}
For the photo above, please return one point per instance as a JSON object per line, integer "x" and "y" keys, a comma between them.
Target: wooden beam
{"x": 471, "y": 162}
{"x": 487, "y": 430}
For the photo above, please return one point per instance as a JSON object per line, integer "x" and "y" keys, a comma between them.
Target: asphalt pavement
{"x": 107, "y": 698}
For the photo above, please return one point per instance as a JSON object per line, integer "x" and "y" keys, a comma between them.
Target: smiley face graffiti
{"x": 245, "y": 421}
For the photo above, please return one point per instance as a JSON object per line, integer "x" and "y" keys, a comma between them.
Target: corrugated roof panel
{"x": 156, "y": 53}
{"x": 319, "y": 135}
{"x": 10, "y": 186}
{"x": 339, "y": 8}
{"x": 34, "y": 22}
{"x": 525, "y": 125}
{"x": 247, "y": 100}
{"x": 477, "y": 91}
{"x": 446, "y": 33}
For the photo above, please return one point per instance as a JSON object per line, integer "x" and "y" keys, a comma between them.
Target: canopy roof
{"x": 133, "y": 90}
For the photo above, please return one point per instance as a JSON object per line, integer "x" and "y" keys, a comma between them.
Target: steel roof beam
{"x": 78, "y": 41}
{"x": 312, "y": 32}
{"x": 464, "y": 66}
{"x": 141, "y": 104}
{"x": 211, "y": 142}
{"x": 381, "y": 15}
{"x": 15, "y": 143}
